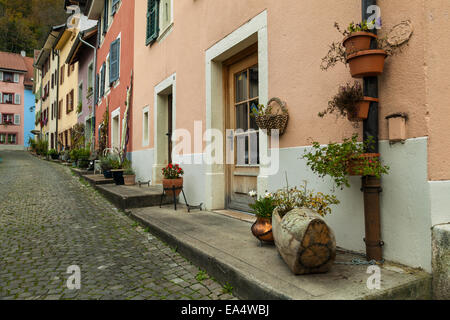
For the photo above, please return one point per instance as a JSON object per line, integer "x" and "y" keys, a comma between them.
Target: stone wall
{"x": 441, "y": 262}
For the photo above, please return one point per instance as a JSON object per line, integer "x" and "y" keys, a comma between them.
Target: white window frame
{"x": 164, "y": 32}
{"x": 115, "y": 114}
{"x": 146, "y": 140}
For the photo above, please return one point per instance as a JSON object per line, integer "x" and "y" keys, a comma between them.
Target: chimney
{"x": 23, "y": 53}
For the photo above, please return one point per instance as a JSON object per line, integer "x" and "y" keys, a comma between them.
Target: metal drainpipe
{"x": 57, "y": 98}
{"x": 94, "y": 90}
{"x": 371, "y": 186}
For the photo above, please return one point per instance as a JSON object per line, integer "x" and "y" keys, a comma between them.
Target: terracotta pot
{"x": 358, "y": 41}
{"x": 367, "y": 63}
{"x": 262, "y": 229}
{"x": 129, "y": 180}
{"x": 362, "y": 109}
{"x": 355, "y": 163}
{"x": 170, "y": 183}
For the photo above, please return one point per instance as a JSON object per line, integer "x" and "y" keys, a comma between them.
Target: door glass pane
{"x": 242, "y": 150}
{"x": 254, "y": 148}
{"x": 253, "y": 82}
{"x": 242, "y": 117}
{"x": 253, "y": 106}
{"x": 241, "y": 86}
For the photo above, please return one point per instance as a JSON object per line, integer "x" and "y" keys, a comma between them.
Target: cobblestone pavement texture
{"x": 50, "y": 220}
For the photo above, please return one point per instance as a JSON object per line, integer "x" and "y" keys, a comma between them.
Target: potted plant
{"x": 53, "y": 154}
{"x": 263, "y": 209}
{"x": 339, "y": 161}
{"x": 357, "y": 37}
{"x": 83, "y": 158}
{"x": 302, "y": 237}
{"x": 350, "y": 102}
{"x": 129, "y": 177}
{"x": 269, "y": 119}
{"x": 172, "y": 179}
{"x": 74, "y": 154}
{"x": 105, "y": 164}
{"x": 357, "y": 51}
{"x": 117, "y": 169}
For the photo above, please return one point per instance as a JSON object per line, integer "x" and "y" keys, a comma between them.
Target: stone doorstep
{"x": 98, "y": 179}
{"x": 226, "y": 249}
{"x": 128, "y": 197}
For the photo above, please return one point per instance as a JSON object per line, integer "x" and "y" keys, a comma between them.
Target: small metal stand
{"x": 140, "y": 183}
{"x": 173, "y": 189}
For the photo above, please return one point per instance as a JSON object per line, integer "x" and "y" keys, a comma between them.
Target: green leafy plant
{"x": 344, "y": 102}
{"x": 334, "y": 159}
{"x": 227, "y": 288}
{"x": 129, "y": 172}
{"x": 201, "y": 275}
{"x": 264, "y": 206}
{"x": 172, "y": 171}
{"x": 79, "y": 107}
{"x": 74, "y": 155}
{"x": 261, "y": 110}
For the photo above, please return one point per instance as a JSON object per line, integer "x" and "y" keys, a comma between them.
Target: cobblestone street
{"x": 50, "y": 220}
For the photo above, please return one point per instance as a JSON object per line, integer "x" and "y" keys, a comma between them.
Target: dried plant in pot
{"x": 274, "y": 116}
{"x": 350, "y": 102}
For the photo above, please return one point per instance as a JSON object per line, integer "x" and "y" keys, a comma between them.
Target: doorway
{"x": 242, "y": 97}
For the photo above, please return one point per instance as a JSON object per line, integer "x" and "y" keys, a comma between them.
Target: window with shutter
{"x": 96, "y": 89}
{"x": 17, "y": 119}
{"x": 102, "y": 82}
{"x": 114, "y": 60}
{"x": 17, "y": 98}
{"x": 1, "y": 76}
{"x": 114, "y": 6}
{"x": 105, "y": 17}
{"x": 16, "y": 77}
{"x": 152, "y": 20}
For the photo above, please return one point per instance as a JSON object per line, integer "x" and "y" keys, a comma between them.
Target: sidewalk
{"x": 227, "y": 250}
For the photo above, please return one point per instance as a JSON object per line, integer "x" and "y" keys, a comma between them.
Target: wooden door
{"x": 242, "y": 87}
{"x": 170, "y": 127}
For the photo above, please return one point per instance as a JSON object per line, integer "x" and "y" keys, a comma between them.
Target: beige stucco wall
{"x": 68, "y": 120}
{"x": 299, "y": 33}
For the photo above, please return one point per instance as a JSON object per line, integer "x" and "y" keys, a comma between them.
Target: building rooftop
{"x": 13, "y": 62}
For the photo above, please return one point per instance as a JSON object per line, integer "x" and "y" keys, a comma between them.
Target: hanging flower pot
{"x": 362, "y": 109}
{"x": 268, "y": 119}
{"x": 358, "y": 164}
{"x": 367, "y": 63}
{"x": 358, "y": 41}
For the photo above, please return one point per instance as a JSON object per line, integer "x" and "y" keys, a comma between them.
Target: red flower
{"x": 170, "y": 166}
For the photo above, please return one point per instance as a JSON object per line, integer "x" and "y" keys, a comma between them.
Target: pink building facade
{"x": 189, "y": 63}
{"x": 13, "y": 71}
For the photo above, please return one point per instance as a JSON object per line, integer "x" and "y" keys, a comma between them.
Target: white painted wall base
{"x": 142, "y": 162}
{"x": 440, "y": 202}
{"x": 405, "y": 210}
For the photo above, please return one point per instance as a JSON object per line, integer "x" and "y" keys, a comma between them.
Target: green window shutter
{"x": 105, "y": 17}
{"x": 102, "y": 82}
{"x": 113, "y": 6}
{"x": 96, "y": 89}
{"x": 152, "y": 21}
{"x": 114, "y": 61}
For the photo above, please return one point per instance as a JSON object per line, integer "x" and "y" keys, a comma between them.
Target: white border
{"x": 114, "y": 114}
{"x": 146, "y": 142}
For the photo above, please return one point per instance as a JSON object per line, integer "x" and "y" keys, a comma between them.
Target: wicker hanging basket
{"x": 274, "y": 121}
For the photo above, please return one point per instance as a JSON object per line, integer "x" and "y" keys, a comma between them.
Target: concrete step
{"x": 98, "y": 179}
{"x": 129, "y": 197}
{"x": 226, "y": 249}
